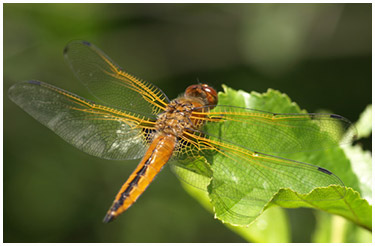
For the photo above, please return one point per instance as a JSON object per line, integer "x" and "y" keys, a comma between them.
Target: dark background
{"x": 318, "y": 54}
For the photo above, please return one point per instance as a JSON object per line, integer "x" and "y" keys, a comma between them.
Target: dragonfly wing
{"x": 242, "y": 184}
{"x": 244, "y": 181}
{"x": 110, "y": 83}
{"x": 275, "y": 133}
{"x": 95, "y": 129}
{"x": 255, "y": 130}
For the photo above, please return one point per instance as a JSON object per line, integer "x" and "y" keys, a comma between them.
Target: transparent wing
{"x": 275, "y": 133}
{"x": 95, "y": 129}
{"x": 241, "y": 181}
{"x": 258, "y": 131}
{"x": 227, "y": 156}
{"x": 110, "y": 83}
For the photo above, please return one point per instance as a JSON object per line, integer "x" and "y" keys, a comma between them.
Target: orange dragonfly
{"x": 137, "y": 120}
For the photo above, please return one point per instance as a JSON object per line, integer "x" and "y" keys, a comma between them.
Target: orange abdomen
{"x": 157, "y": 155}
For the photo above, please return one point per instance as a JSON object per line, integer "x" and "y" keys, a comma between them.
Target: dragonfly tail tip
{"x": 108, "y": 218}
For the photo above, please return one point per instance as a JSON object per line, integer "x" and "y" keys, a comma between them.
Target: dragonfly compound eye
{"x": 204, "y": 92}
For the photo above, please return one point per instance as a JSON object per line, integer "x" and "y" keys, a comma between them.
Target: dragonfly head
{"x": 204, "y": 92}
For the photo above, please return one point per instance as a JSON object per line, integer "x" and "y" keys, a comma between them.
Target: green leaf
{"x": 352, "y": 206}
{"x": 364, "y": 124}
{"x": 360, "y": 159}
{"x": 361, "y": 165}
{"x": 229, "y": 206}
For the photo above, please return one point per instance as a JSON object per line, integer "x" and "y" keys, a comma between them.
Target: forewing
{"x": 95, "y": 129}
{"x": 275, "y": 133}
{"x": 110, "y": 83}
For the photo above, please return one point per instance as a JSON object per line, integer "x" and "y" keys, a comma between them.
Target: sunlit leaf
{"x": 352, "y": 206}
{"x": 364, "y": 125}
{"x": 330, "y": 157}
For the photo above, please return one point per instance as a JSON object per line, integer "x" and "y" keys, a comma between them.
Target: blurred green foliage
{"x": 318, "y": 54}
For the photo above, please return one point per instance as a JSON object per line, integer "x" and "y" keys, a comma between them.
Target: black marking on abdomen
{"x": 324, "y": 170}
{"x": 132, "y": 184}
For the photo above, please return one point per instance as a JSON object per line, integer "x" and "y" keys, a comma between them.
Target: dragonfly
{"x": 134, "y": 119}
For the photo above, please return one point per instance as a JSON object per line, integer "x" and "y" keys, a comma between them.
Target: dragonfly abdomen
{"x": 157, "y": 155}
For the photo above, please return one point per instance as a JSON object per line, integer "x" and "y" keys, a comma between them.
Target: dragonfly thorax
{"x": 176, "y": 118}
